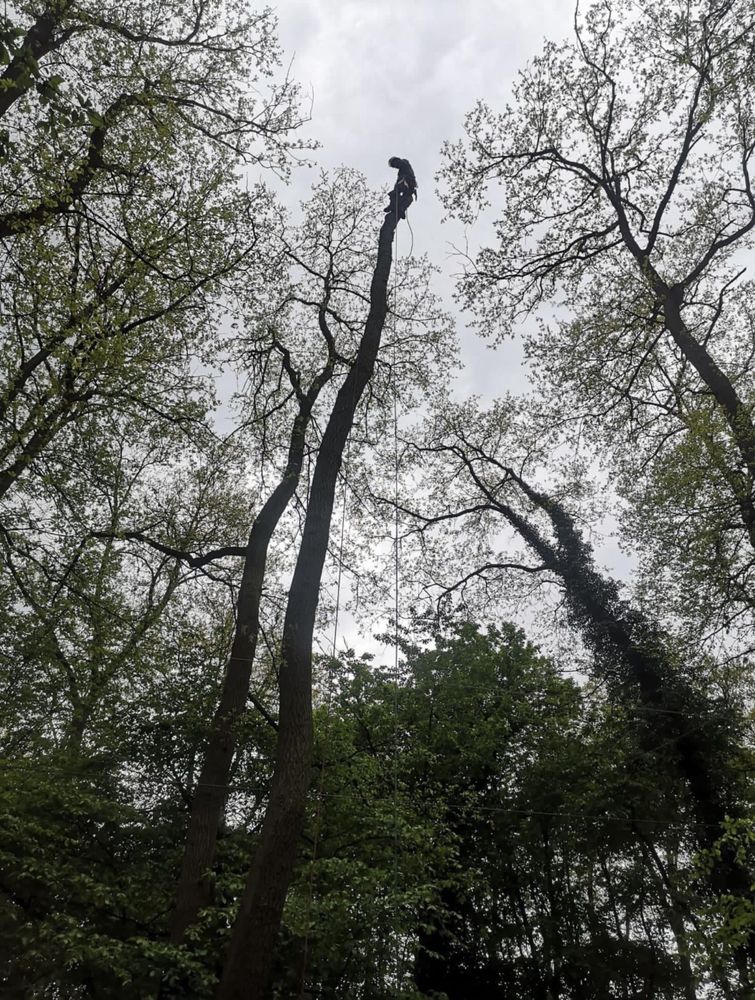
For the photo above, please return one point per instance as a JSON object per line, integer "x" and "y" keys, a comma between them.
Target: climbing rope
{"x": 396, "y": 595}
{"x": 328, "y": 705}
{"x": 302, "y": 993}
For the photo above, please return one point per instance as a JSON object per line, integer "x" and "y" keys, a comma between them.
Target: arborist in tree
{"x": 405, "y": 189}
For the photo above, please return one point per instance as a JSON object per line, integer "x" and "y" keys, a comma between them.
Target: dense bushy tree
{"x": 120, "y": 220}
{"x": 124, "y": 228}
{"x": 482, "y": 826}
{"x": 623, "y": 166}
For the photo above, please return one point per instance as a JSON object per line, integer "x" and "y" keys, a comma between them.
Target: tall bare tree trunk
{"x": 194, "y": 886}
{"x": 249, "y": 961}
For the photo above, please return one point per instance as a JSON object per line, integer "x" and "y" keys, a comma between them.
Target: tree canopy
{"x": 227, "y": 419}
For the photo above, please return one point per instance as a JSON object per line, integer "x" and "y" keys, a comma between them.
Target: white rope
{"x": 340, "y": 568}
{"x": 331, "y": 665}
{"x": 396, "y": 592}
{"x": 328, "y": 705}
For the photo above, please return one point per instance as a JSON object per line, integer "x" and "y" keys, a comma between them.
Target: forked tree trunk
{"x": 249, "y": 961}
{"x": 208, "y": 805}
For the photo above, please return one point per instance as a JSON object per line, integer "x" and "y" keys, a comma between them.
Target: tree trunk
{"x": 623, "y": 638}
{"x": 735, "y": 412}
{"x": 207, "y": 808}
{"x": 42, "y": 38}
{"x": 676, "y": 923}
{"x": 249, "y": 961}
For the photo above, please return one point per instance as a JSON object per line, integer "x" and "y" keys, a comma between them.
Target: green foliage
{"x": 82, "y": 891}
{"x": 476, "y": 829}
{"x": 726, "y": 922}
{"x": 478, "y": 826}
{"x": 623, "y": 159}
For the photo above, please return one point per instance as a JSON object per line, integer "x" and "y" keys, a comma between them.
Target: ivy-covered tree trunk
{"x": 248, "y": 965}
{"x": 624, "y": 639}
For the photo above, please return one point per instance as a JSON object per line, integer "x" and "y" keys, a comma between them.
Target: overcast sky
{"x": 396, "y": 79}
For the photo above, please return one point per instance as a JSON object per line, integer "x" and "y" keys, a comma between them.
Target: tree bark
{"x": 623, "y": 638}
{"x": 735, "y": 412}
{"x": 249, "y": 961}
{"x": 42, "y": 38}
{"x": 208, "y": 805}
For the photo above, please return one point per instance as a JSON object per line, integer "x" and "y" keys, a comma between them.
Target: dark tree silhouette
{"x": 249, "y": 962}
